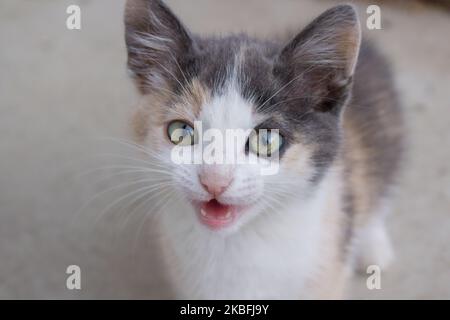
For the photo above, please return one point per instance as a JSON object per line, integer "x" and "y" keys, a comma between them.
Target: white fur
{"x": 273, "y": 249}
{"x": 372, "y": 243}
{"x": 272, "y": 257}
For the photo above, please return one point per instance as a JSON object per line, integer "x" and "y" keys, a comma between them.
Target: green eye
{"x": 181, "y": 133}
{"x": 265, "y": 142}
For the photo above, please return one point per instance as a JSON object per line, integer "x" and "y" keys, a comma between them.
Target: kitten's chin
{"x": 216, "y": 215}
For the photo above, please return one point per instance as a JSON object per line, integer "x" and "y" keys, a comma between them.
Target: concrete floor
{"x": 60, "y": 90}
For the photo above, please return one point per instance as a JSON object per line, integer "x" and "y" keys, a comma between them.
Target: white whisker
{"x": 117, "y": 201}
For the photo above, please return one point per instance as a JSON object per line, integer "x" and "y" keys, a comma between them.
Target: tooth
{"x": 203, "y": 212}
{"x": 228, "y": 215}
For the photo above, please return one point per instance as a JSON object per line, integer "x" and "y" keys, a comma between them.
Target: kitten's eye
{"x": 265, "y": 142}
{"x": 181, "y": 133}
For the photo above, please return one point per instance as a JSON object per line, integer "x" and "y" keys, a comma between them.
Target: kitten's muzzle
{"x": 216, "y": 179}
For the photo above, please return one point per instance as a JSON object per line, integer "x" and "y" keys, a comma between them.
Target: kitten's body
{"x": 337, "y": 168}
{"x": 294, "y": 255}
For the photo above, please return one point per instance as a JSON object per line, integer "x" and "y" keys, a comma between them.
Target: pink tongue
{"x": 214, "y": 209}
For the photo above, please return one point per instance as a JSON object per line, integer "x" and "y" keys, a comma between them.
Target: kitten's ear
{"x": 324, "y": 56}
{"x": 157, "y": 43}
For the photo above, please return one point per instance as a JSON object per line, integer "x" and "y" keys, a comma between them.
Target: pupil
{"x": 266, "y": 138}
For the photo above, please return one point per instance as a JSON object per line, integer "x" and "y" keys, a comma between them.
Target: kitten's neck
{"x": 294, "y": 236}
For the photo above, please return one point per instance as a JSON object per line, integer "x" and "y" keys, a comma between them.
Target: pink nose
{"x": 214, "y": 184}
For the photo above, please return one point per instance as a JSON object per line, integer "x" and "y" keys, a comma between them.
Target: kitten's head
{"x": 298, "y": 88}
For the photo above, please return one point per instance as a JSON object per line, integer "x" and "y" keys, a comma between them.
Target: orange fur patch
{"x": 156, "y": 109}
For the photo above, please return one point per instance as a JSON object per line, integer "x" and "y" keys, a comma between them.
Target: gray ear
{"x": 325, "y": 52}
{"x": 157, "y": 43}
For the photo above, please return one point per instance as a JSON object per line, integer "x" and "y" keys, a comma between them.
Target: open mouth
{"x": 216, "y": 215}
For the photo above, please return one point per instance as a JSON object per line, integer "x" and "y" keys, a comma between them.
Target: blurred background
{"x": 61, "y": 90}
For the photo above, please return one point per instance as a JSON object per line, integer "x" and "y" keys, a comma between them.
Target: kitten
{"x": 229, "y": 231}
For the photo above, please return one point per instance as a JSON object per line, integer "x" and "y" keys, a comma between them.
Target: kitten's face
{"x": 237, "y": 83}
{"x": 227, "y": 195}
